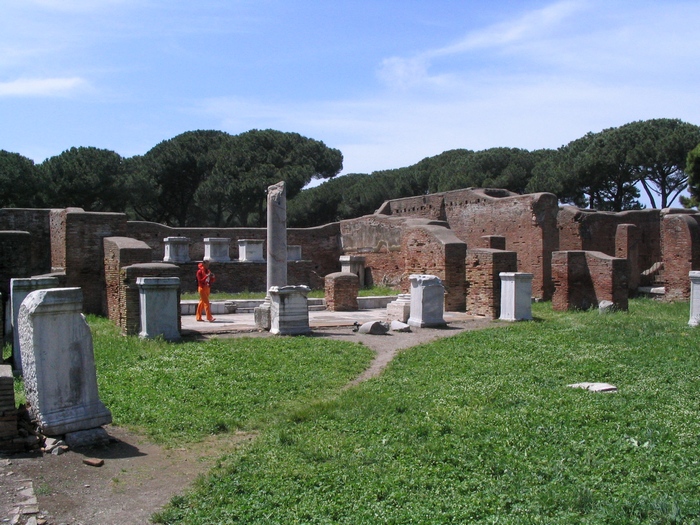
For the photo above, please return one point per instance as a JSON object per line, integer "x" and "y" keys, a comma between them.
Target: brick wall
{"x": 483, "y": 268}
{"x": 37, "y": 223}
{"x": 129, "y": 299}
{"x": 341, "y": 292}
{"x": 528, "y": 223}
{"x": 627, "y": 247}
{"x": 584, "y": 278}
{"x": 396, "y": 247}
{"x": 15, "y": 253}
{"x": 84, "y": 267}
{"x": 118, "y": 253}
{"x": 681, "y": 246}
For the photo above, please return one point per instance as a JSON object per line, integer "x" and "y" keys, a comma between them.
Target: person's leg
{"x": 201, "y": 305}
{"x": 206, "y": 304}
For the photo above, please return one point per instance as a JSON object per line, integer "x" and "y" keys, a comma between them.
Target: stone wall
{"x": 680, "y": 240}
{"x": 15, "y": 252}
{"x": 396, "y": 247}
{"x": 528, "y": 223}
{"x": 483, "y": 268}
{"x": 118, "y": 253}
{"x": 582, "y": 279}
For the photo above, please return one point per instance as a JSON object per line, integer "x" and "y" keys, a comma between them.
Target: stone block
{"x": 216, "y": 249}
{"x": 60, "y": 380}
{"x": 354, "y": 264}
{"x": 159, "y": 307}
{"x": 19, "y": 290}
{"x": 400, "y": 309}
{"x": 289, "y": 311}
{"x": 177, "y": 250}
{"x": 516, "y": 296}
{"x": 251, "y": 250}
{"x": 427, "y": 301}
{"x": 694, "y": 298}
{"x": 294, "y": 252}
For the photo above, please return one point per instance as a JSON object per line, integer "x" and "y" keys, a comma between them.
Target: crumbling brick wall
{"x": 582, "y": 279}
{"x": 528, "y": 223}
{"x": 341, "y": 292}
{"x": 395, "y": 247}
{"x": 129, "y": 295}
{"x": 681, "y": 254}
{"x": 118, "y": 253}
{"x": 483, "y": 269}
{"x": 15, "y": 254}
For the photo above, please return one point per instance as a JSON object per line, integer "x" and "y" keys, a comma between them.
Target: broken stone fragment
{"x": 374, "y": 328}
{"x": 398, "y": 326}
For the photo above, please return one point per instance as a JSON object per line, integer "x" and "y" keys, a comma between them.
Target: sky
{"x": 387, "y": 82}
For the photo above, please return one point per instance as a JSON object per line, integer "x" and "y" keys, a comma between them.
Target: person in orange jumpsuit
{"x": 205, "y": 278}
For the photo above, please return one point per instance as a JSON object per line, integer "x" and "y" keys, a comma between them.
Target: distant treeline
{"x": 212, "y": 178}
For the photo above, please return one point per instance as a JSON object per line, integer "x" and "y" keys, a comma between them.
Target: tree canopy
{"x": 20, "y": 181}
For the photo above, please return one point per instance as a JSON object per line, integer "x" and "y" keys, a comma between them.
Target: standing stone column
{"x": 19, "y": 290}
{"x": 427, "y": 301}
{"x": 159, "y": 304}
{"x": 60, "y": 379}
{"x": 276, "y": 249}
{"x": 694, "y": 298}
{"x": 516, "y": 296}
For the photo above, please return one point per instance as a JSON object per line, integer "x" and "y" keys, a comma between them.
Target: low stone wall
{"x": 483, "y": 268}
{"x": 15, "y": 252}
{"x": 582, "y": 279}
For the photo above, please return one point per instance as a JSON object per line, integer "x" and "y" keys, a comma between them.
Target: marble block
{"x": 216, "y": 249}
{"x": 60, "y": 380}
{"x": 427, "y": 301}
{"x": 516, "y": 296}
{"x": 158, "y": 307}
{"x": 289, "y": 311}
{"x": 177, "y": 250}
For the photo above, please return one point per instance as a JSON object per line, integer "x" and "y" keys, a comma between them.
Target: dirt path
{"x": 138, "y": 478}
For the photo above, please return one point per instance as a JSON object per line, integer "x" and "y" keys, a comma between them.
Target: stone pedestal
{"x": 694, "y": 298}
{"x": 399, "y": 310}
{"x": 354, "y": 264}
{"x": 177, "y": 250}
{"x": 516, "y": 296}
{"x": 60, "y": 380}
{"x": 427, "y": 301}
{"x": 158, "y": 307}
{"x": 294, "y": 252}
{"x": 341, "y": 292}
{"x": 250, "y": 250}
{"x": 19, "y": 290}
{"x": 216, "y": 249}
{"x": 289, "y": 312}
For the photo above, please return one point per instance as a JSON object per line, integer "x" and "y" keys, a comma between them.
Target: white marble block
{"x": 399, "y": 310}
{"x": 516, "y": 296}
{"x": 19, "y": 290}
{"x": 216, "y": 249}
{"x": 177, "y": 250}
{"x": 289, "y": 311}
{"x": 427, "y": 301}
{"x": 250, "y": 250}
{"x": 60, "y": 380}
{"x": 694, "y": 298}
{"x": 158, "y": 307}
{"x": 354, "y": 264}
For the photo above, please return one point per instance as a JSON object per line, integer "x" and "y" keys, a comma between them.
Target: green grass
{"x": 221, "y": 296}
{"x": 186, "y": 391}
{"x": 481, "y": 428}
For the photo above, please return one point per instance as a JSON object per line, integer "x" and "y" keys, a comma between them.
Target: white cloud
{"x": 41, "y": 87}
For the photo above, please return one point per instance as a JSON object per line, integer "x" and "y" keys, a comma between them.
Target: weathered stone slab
{"x": 400, "y": 309}
{"x": 595, "y": 387}
{"x": 694, "y": 298}
{"x": 289, "y": 311}
{"x": 60, "y": 380}
{"x": 373, "y": 328}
